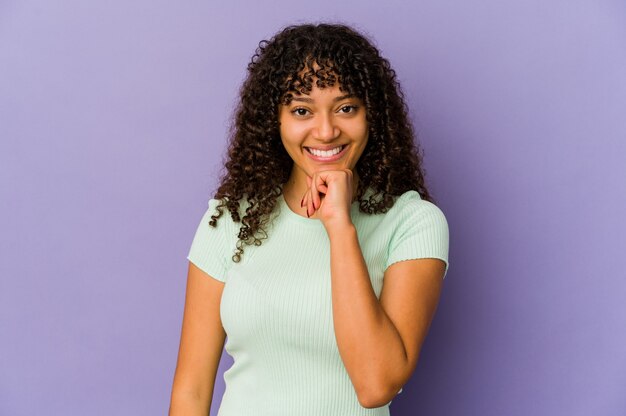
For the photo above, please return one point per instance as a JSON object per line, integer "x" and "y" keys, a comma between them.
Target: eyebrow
{"x": 310, "y": 100}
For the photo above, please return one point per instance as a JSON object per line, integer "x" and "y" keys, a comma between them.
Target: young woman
{"x": 329, "y": 304}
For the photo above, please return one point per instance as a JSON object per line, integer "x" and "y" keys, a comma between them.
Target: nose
{"x": 326, "y": 129}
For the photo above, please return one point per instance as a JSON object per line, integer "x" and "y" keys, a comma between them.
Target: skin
{"x": 379, "y": 340}
{"x": 201, "y": 345}
{"x": 320, "y": 119}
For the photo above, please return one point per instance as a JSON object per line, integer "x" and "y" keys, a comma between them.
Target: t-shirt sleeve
{"x": 421, "y": 232}
{"x": 208, "y": 248}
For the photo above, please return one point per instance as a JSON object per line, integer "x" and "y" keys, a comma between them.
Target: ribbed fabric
{"x": 276, "y": 306}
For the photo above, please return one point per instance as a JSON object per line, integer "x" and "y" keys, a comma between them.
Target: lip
{"x": 332, "y": 158}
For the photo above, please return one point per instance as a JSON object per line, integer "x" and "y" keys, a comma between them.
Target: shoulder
{"x": 221, "y": 202}
{"x": 224, "y": 227}
{"x": 419, "y": 229}
{"x": 411, "y": 205}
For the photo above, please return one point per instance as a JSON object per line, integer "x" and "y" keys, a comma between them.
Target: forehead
{"x": 321, "y": 73}
{"x": 307, "y": 82}
{"x": 333, "y": 93}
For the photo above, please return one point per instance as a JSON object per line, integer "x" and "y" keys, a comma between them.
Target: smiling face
{"x": 325, "y": 119}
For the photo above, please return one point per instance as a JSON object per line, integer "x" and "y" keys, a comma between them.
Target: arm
{"x": 379, "y": 341}
{"x": 201, "y": 344}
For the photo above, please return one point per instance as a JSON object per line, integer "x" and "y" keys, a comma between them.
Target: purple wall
{"x": 113, "y": 118}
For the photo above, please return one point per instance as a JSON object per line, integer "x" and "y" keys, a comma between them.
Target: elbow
{"x": 379, "y": 389}
{"x": 378, "y": 397}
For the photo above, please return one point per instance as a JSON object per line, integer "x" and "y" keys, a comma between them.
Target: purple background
{"x": 113, "y": 118}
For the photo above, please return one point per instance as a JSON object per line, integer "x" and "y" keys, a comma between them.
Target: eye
{"x": 299, "y": 111}
{"x": 349, "y": 108}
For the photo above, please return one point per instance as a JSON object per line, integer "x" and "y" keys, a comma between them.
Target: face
{"x": 325, "y": 119}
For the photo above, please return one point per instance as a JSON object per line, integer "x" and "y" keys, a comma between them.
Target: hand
{"x": 330, "y": 195}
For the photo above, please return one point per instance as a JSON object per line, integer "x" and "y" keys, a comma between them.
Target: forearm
{"x": 183, "y": 404}
{"x": 369, "y": 344}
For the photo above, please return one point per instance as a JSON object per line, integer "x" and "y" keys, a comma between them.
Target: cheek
{"x": 292, "y": 133}
{"x": 364, "y": 134}
{"x": 285, "y": 133}
{"x": 361, "y": 127}
{"x": 290, "y": 139}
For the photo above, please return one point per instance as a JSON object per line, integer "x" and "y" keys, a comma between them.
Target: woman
{"x": 326, "y": 314}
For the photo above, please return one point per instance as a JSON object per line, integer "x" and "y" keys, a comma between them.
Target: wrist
{"x": 339, "y": 229}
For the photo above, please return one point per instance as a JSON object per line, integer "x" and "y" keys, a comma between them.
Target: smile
{"x": 327, "y": 156}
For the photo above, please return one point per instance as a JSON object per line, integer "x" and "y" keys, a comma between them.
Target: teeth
{"x": 324, "y": 153}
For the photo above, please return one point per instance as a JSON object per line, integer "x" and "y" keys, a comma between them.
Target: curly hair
{"x": 258, "y": 165}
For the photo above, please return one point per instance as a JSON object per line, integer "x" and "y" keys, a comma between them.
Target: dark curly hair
{"x": 258, "y": 165}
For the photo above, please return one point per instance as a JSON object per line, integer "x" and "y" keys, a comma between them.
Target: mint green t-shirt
{"x": 276, "y": 307}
